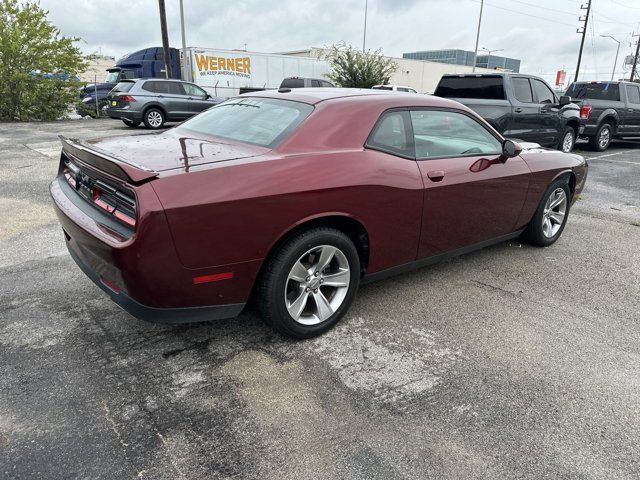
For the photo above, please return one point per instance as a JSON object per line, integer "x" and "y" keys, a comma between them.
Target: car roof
{"x": 314, "y": 96}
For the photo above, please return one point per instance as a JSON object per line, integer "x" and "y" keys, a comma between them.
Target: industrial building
{"x": 464, "y": 57}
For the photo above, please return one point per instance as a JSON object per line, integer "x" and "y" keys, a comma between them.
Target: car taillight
{"x": 127, "y": 98}
{"x": 585, "y": 111}
{"x": 121, "y": 205}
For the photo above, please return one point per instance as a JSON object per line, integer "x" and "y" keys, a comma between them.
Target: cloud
{"x": 545, "y": 42}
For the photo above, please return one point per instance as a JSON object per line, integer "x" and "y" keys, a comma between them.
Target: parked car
{"x": 519, "y": 106}
{"x": 299, "y": 196}
{"x": 610, "y": 109}
{"x": 299, "y": 82}
{"x": 156, "y": 101}
{"x": 395, "y": 88}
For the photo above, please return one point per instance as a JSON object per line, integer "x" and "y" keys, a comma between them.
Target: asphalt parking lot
{"x": 511, "y": 362}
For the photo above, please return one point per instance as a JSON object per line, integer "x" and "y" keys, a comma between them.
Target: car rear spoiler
{"x": 106, "y": 162}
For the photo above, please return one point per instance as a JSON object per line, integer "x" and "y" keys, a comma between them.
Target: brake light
{"x": 127, "y": 98}
{"x": 114, "y": 201}
{"x": 585, "y": 111}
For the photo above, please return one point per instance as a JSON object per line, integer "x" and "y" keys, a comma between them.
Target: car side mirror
{"x": 207, "y": 96}
{"x": 510, "y": 149}
{"x": 565, "y": 100}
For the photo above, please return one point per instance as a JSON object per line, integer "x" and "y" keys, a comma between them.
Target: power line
{"x": 525, "y": 14}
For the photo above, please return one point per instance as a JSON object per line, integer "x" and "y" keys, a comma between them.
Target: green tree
{"x": 37, "y": 64}
{"x": 353, "y": 68}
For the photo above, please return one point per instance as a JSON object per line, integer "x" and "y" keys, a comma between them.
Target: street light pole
{"x": 489, "y": 52}
{"x": 615, "y": 62}
{"x": 185, "y": 61}
{"x": 364, "y": 35}
{"x": 165, "y": 39}
{"x": 475, "y": 52}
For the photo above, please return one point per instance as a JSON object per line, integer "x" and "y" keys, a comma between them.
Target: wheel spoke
{"x": 546, "y": 227}
{"x": 324, "y": 308}
{"x": 338, "y": 279}
{"x": 557, "y": 217}
{"x": 559, "y": 198}
{"x": 326, "y": 254}
{"x": 299, "y": 272}
{"x": 297, "y": 306}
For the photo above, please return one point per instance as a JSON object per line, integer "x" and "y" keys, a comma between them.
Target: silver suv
{"x": 155, "y": 101}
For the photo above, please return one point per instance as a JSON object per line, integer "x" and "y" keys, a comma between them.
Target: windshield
{"x": 594, "y": 91}
{"x": 260, "y": 121}
{"x": 112, "y": 77}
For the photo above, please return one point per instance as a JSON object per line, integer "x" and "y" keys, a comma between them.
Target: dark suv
{"x": 611, "y": 110}
{"x": 299, "y": 82}
{"x": 156, "y": 101}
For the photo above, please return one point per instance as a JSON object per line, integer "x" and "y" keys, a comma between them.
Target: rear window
{"x": 123, "y": 87}
{"x": 486, "y": 87}
{"x": 260, "y": 121}
{"x": 594, "y": 91}
{"x": 292, "y": 83}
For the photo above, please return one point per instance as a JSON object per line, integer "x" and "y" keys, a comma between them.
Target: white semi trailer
{"x": 225, "y": 73}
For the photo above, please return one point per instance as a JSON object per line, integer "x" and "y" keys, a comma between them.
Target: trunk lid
{"x": 141, "y": 157}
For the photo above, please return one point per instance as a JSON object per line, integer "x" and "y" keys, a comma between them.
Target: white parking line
{"x": 607, "y": 155}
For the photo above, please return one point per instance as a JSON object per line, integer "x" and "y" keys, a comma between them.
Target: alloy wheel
{"x": 604, "y": 138}
{"x": 154, "y": 118}
{"x": 317, "y": 285}
{"x": 567, "y": 142}
{"x": 555, "y": 210}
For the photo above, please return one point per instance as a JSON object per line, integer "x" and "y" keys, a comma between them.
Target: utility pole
{"x": 185, "y": 62}
{"x": 475, "y": 52}
{"x": 364, "y": 35}
{"x": 635, "y": 59}
{"x": 165, "y": 38}
{"x": 583, "y": 31}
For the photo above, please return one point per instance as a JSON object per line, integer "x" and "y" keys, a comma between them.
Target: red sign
{"x": 560, "y": 77}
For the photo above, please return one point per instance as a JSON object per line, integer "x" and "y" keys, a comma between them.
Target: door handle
{"x": 436, "y": 175}
{"x": 518, "y": 110}
{"x": 160, "y": 96}
{"x": 629, "y": 109}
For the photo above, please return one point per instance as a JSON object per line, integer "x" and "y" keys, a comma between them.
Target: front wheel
{"x": 568, "y": 140}
{"x": 309, "y": 283}
{"x": 548, "y": 222}
{"x": 600, "y": 142}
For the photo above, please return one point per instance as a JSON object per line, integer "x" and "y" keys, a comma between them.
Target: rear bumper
{"x": 158, "y": 315}
{"x": 141, "y": 273}
{"x": 120, "y": 114}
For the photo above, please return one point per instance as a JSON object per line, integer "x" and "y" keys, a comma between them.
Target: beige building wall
{"x": 96, "y": 68}
{"x": 421, "y": 75}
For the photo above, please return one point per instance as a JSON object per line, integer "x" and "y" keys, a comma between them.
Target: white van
{"x": 395, "y": 88}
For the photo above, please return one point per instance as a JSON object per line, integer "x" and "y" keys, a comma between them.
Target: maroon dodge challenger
{"x": 295, "y": 197}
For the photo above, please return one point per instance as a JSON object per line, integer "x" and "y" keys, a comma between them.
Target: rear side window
{"x": 175, "y": 88}
{"x": 123, "y": 87}
{"x": 315, "y": 83}
{"x": 522, "y": 90}
{"x": 595, "y": 91}
{"x": 633, "y": 94}
{"x": 149, "y": 87}
{"x": 485, "y": 87}
{"x": 260, "y": 121}
{"x": 292, "y": 83}
{"x": 326, "y": 84}
{"x": 391, "y": 134}
{"x": 382, "y": 87}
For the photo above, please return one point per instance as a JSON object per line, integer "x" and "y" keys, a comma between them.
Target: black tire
{"x": 534, "y": 233}
{"x": 595, "y": 142}
{"x": 567, "y": 131}
{"x": 154, "y": 118}
{"x": 273, "y": 282}
{"x": 130, "y": 123}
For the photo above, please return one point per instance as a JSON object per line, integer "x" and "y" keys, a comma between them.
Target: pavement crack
{"x": 114, "y": 426}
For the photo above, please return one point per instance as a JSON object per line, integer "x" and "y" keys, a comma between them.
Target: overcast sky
{"x": 542, "y": 33}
